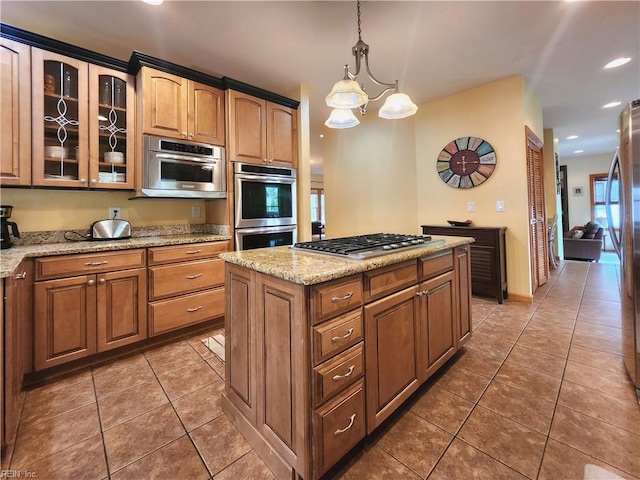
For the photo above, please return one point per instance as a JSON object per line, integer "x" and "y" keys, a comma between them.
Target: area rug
{"x": 216, "y": 345}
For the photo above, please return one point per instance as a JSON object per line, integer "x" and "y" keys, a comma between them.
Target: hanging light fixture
{"x": 347, "y": 93}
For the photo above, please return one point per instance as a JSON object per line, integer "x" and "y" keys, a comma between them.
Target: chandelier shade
{"x": 346, "y": 94}
{"x": 398, "y": 105}
{"x": 341, "y": 118}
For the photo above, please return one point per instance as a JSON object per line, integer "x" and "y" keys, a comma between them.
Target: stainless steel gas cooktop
{"x": 366, "y": 246}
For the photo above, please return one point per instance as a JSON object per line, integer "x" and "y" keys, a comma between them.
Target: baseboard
{"x": 516, "y": 297}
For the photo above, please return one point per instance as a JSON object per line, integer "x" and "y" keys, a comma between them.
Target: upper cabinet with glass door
{"x": 82, "y": 133}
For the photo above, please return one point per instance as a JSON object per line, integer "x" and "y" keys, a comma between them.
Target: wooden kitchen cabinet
{"x": 17, "y": 315}
{"x": 392, "y": 339}
{"x": 311, "y": 369}
{"x": 102, "y": 308}
{"x": 175, "y": 107}
{"x": 15, "y": 117}
{"x": 82, "y": 124}
{"x": 261, "y": 132}
{"x": 186, "y": 285}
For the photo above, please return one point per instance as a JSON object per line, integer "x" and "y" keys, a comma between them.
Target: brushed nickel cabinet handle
{"x": 192, "y": 252}
{"x": 95, "y": 264}
{"x": 102, "y": 281}
{"x": 191, "y": 277}
{"x": 346, "y": 297}
{"x": 342, "y": 430}
{"x": 346, "y": 335}
{"x": 191, "y": 310}
{"x": 338, "y": 377}
{"x": 91, "y": 283}
{"x": 21, "y": 276}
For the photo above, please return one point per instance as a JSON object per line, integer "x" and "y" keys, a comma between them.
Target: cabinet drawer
{"x": 181, "y": 253}
{"x": 336, "y": 335}
{"x": 434, "y": 265}
{"x": 179, "y": 278}
{"x": 167, "y": 315}
{"x": 337, "y": 373}
{"x": 386, "y": 280}
{"x": 334, "y": 297}
{"x": 86, "y": 263}
{"x": 339, "y": 426}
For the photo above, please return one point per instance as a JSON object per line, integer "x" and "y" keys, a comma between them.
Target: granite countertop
{"x": 308, "y": 268}
{"x": 11, "y": 257}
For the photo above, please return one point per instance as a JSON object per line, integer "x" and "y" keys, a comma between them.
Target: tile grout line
{"x": 104, "y": 443}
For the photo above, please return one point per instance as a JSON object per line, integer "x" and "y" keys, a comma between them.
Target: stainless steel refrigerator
{"x": 626, "y": 240}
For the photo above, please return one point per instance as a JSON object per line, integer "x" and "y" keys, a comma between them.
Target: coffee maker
{"x": 5, "y": 214}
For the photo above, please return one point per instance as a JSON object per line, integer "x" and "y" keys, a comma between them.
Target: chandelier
{"x": 347, "y": 93}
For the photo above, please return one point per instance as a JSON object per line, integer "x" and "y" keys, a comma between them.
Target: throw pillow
{"x": 592, "y": 227}
{"x": 578, "y": 234}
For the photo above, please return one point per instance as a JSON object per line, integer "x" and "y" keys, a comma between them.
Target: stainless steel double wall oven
{"x": 265, "y": 206}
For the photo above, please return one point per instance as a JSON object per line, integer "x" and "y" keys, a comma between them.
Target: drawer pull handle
{"x": 346, "y": 335}
{"x": 191, "y": 310}
{"x": 346, "y": 297}
{"x": 192, "y": 277}
{"x": 192, "y": 252}
{"x": 342, "y": 430}
{"x": 91, "y": 283}
{"x": 95, "y": 264}
{"x": 338, "y": 377}
{"x": 21, "y": 276}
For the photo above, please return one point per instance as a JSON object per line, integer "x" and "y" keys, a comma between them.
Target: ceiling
{"x": 433, "y": 48}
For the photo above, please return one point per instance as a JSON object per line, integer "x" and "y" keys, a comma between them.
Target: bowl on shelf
{"x": 456, "y": 223}
{"x": 56, "y": 151}
{"x": 114, "y": 157}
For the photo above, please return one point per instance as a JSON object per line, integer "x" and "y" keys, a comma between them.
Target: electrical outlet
{"x": 499, "y": 206}
{"x": 471, "y": 207}
{"x": 195, "y": 212}
{"x": 115, "y": 213}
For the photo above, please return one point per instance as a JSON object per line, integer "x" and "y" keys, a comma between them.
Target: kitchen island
{"x": 320, "y": 350}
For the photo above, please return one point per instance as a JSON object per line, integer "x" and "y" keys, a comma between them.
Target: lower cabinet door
{"x": 121, "y": 308}
{"x": 392, "y": 353}
{"x": 437, "y": 321}
{"x": 338, "y": 426}
{"x": 167, "y": 315}
{"x": 65, "y": 320}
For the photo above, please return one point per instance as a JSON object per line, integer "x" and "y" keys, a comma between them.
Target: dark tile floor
{"x": 539, "y": 391}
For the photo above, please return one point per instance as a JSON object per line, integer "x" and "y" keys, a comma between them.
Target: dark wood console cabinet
{"x": 488, "y": 257}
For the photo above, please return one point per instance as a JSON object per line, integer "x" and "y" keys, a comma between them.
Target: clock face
{"x": 466, "y": 162}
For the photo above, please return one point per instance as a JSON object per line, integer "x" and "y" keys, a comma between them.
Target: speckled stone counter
{"x": 308, "y": 268}
{"x": 11, "y": 258}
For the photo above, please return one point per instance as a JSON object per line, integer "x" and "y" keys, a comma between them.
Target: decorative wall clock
{"x": 466, "y": 162}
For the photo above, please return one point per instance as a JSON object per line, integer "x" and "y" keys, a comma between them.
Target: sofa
{"x": 584, "y": 243}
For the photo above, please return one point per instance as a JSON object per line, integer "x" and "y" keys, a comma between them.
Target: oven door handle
{"x": 182, "y": 158}
{"x": 278, "y": 229}
{"x": 265, "y": 178}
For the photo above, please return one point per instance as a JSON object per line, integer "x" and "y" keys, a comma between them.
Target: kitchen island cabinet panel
{"x": 392, "y": 336}
{"x": 184, "y": 277}
{"x": 336, "y": 335}
{"x": 438, "y": 322}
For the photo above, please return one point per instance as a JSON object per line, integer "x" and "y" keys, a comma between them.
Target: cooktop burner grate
{"x": 365, "y": 246}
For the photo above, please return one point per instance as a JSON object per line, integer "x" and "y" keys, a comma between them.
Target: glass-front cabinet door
{"x": 60, "y": 129}
{"x": 83, "y": 124}
{"x": 111, "y": 122}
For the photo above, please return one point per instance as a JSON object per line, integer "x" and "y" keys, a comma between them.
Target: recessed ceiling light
{"x": 321, "y": 135}
{"x": 618, "y": 62}
{"x": 153, "y": 2}
{"x": 572, "y": 137}
{"x": 555, "y": 140}
{"x": 578, "y": 151}
{"x": 611, "y": 104}
{"x": 618, "y": 131}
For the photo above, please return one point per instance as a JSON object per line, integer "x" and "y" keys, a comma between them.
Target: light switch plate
{"x": 499, "y": 206}
{"x": 471, "y": 207}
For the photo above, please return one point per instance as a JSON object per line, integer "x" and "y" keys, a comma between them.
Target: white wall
{"x": 369, "y": 177}
{"x": 578, "y": 171}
